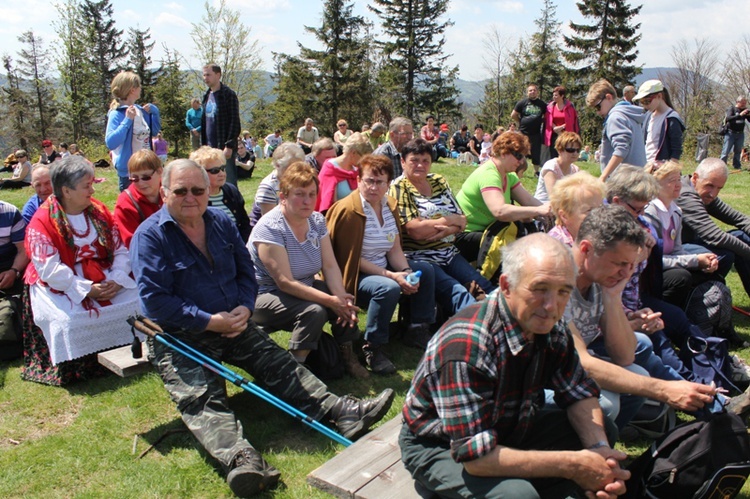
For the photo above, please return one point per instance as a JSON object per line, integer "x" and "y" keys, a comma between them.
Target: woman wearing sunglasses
{"x": 141, "y": 198}
{"x": 568, "y": 147}
{"x": 662, "y": 126}
{"x": 221, "y": 195}
{"x": 494, "y": 192}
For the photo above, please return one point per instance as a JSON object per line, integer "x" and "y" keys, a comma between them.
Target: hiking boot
{"x": 739, "y": 371}
{"x": 376, "y": 359}
{"x": 351, "y": 362}
{"x": 417, "y": 336}
{"x": 250, "y": 474}
{"x": 353, "y": 417}
{"x": 740, "y": 404}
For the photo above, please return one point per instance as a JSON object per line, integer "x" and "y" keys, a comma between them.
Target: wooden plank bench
{"x": 370, "y": 468}
{"x": 121, "y": 362}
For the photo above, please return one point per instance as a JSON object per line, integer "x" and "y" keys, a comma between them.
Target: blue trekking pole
{"x": 150, "y": 328}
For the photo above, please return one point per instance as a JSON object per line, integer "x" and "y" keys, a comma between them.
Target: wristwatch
{"x": 599, "y": 445}
{"x": 18, "y": 272}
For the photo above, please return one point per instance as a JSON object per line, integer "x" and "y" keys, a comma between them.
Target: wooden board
{"x": 121, "y": 362}
{"x": 370, "y": 468}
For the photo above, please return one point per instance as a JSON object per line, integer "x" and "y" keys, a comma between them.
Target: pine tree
{"x": 340, "y": 68}
{"x": 414, "y": 48}
{"x": 544, "y": 67}
{"x": 139, "y": 60}
{"x": 15, "y": 104}
{"x": 79, "y": 102}
{"x": 607, "y": 47}
{"x": 105, "y": 40}
{"x": 170, "y": 91}
{"x": 296, "y": 95}
{"x": 34, "y": 62}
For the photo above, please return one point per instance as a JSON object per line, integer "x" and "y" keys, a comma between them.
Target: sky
{"x": 278, "y": 25}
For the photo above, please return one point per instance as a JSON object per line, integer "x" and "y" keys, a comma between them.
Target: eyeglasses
{"x": 217, "y": 170}
{"x": 135, "y": 178}
{"x": 518, "y": 155}
{"x": 598, "y": 105}
{"x": 342, "y": 126}
{"x": 572, "y": 150}
{"x": 636, "y": 210}
{"x": 371, "y": 182}
{"x": 181, "y": 192}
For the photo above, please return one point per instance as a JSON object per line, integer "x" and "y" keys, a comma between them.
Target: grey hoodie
{"x": 623, "y": 135}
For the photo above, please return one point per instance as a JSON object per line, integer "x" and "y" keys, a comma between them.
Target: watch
{"x": 598, "y": 445}
{"x": 18, "y": 272}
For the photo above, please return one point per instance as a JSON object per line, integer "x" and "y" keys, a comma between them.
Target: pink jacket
{"x": 571, "y": 121}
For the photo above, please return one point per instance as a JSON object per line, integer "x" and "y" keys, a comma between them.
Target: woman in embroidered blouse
{"x": 430, "y": 219}
{"x": 290, "y": 245}
{"x": 338, "y": 176}
{"x": 365, "y": 234}
{"x": 80, "y": 289}
{"x": 221, "y": 195}
{"x": 141, "y": 199}
{"x": 572, "y": 199}
{"x": 683, "y": 269}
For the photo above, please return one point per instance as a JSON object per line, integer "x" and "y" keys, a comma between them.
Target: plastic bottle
{"x": 413, "y": 278}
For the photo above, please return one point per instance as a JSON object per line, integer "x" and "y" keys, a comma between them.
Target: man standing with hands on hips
{"x": 220, "y": 123}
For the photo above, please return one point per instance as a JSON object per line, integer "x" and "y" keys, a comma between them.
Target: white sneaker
{"x": 740, "y": 371}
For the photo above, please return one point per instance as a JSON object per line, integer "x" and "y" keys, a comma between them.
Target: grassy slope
{"x": 78, "y": 441}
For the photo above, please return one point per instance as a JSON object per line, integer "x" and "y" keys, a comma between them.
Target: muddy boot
{"x": 351, "y": 363}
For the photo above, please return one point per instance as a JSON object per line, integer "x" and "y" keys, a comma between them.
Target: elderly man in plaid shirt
{"x": 475, "y": 423}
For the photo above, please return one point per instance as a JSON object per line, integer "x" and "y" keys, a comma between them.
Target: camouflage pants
{"x": 201, "y": 395}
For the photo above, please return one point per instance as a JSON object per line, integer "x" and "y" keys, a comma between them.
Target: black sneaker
{"x": 250, "y": 474}
{"x": 353, "y": 417}
{"x": 417, "y": 336}
{"x": 376, "y": 359}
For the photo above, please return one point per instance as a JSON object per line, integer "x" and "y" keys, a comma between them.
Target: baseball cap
{"x": 649, "y": 87}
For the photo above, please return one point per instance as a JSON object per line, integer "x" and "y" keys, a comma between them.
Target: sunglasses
{"x": 342, "y": 126}
{"x": 217, "y": 170}
{"x": 572, "y": 150}
{"x": 638, "y": 211}
{"x": 135, "y": 178}
{"x": 181, "y": 192}
{"x": 645, "y": 101}
{"x": 598, "y": 105}
{"x": 518, "y": 155}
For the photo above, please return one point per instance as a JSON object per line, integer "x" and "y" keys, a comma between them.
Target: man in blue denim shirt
{"x": 196, "y": 279}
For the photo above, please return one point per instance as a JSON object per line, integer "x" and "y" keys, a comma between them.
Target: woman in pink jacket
{"x": 561, "y": 117}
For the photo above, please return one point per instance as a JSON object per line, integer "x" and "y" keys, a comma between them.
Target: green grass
{"x": 77, "y": 441}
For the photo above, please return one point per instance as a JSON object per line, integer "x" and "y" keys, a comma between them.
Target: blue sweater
{"x": 120, "y": 134}
{"x": 193, "y": 118}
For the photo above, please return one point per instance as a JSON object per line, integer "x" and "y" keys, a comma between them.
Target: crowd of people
{"x": 558, "y": 313}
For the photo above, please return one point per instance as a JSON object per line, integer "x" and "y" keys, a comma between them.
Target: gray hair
{"x": 179, "y": 165}
{"x": 631, "y": 183}
{"x": 607, "y": 226}
{"x": 711, "y": 165}
{"x": 741, "y": 97}
{"x": 286, "y": 154}
{"x": 378, "y": 127}
{"x": 359, "y": 143}
{"x": 68, "y": 173}
{"x": 517, "y": 254}
{"x": 323, "y": 144}
{"x": 399, "y": 122}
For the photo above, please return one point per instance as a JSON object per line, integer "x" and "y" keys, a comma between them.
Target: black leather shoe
{"x": 353, "y": 417}
{"x": 250, "y": 474}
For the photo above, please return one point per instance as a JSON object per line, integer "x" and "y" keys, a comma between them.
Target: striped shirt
{"x": 480, "y": 383}
{"x": 413, "y": 205}
{"x": 217, "y": 202}
{"x": 12, "y": 231}
{"x": 378, "y": 240}
{"x": 305, "y": 258}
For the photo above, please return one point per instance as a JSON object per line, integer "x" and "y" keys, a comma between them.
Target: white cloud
{"x": 174, "y": 6}
{"x": 169, "y": 19}
{"x": 509, "y": 6}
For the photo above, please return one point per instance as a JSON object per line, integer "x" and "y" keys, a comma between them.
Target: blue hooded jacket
{"x": 623, "y": 135}
{"x": 120, "y": 133}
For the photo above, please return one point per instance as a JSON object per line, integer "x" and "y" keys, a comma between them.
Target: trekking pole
{"x": 743, "y": 312}
{"x": 150, "y": 328}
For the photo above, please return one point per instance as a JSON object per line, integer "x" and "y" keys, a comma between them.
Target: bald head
{"x": 40, "y": 181}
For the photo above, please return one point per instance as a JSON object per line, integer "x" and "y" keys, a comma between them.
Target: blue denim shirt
{"x": 178, "y": 287}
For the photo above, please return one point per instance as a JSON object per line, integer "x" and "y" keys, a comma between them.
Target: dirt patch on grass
{"x": 19, "y": 426}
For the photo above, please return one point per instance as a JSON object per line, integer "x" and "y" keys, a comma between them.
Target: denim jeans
{"x": 123, "y": 183}
{"x": 449, "y": 284}
{"x": 380, "y": 295}
{"x": 733, "y": 141}
{"x": 727, "y": 258}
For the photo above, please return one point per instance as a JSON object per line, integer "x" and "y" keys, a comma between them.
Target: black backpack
{"x": 709, "y": 307}
{"x": 700, "y": 459}
{"x": 326, "y": 362}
